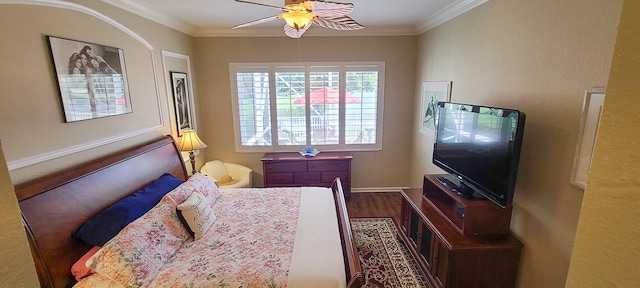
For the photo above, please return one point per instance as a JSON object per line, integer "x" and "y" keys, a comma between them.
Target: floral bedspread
{"x": 249, "y": 245}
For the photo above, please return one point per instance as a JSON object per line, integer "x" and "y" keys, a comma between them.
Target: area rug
{"x": 385, "y": 260}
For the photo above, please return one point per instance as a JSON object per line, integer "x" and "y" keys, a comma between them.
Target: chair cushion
{"x": 216, "y": 169}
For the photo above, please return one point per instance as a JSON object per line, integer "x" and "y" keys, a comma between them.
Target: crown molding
{"x": 83, "y": 9}
{"x": 452, "y": 11}
{"x": 154, "y": 16}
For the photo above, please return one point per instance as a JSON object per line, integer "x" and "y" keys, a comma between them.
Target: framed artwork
{"x": 181, "y": 101}
{"x": 91, "y": 78}
{"x": 432, "y": 93}
{"x": 588, "y": 131}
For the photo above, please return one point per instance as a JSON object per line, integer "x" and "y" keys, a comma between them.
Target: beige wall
{"x": 607, "y": 250}
{"x": 35, "y": 137}
{"x": 386, "y": 168}
{"x": 17, "y": 265}
{"x": 538, "y": 57}
{"x": 33, "y": 128}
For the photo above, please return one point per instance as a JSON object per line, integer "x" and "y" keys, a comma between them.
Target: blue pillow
{"x": 105, "y": 225}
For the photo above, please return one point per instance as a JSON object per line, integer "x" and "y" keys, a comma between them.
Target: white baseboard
{"x": 377, "y": 189}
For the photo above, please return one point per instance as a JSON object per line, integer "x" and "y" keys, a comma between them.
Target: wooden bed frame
{"x": 53, "y": 206}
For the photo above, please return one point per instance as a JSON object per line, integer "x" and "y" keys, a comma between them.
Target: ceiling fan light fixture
{"x": 299, "y": 15}
{"x": 297, "y": 18}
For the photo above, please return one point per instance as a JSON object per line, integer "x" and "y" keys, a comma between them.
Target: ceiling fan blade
{"x": 293, "y": 33}
{"x": 328, "y": 9}
{"x": 341, "y": 23}
{"x": 261, "y": 4}
{"x": 259, "y": 21}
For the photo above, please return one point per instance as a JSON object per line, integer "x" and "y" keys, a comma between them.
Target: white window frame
{"x": 308, "y": 67}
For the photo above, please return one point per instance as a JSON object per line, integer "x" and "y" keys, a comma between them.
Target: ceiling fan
{"x": 299, "y": 15}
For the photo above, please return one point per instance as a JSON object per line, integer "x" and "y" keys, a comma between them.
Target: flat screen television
{"x": 480, "y": 147}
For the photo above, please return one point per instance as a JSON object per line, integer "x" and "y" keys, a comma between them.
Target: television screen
{"x": 480, "y": 147}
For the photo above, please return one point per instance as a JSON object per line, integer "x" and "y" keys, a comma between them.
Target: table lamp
{"x": 191, "y": 142}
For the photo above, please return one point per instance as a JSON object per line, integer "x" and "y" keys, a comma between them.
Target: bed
{"x": 55, "y": 206}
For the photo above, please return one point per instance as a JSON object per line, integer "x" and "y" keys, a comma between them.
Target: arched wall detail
{"x": 43, "y": 157}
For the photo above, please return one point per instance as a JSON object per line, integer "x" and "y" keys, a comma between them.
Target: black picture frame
{"x": 91, "y": 78}
{"x": 181, "y": 101}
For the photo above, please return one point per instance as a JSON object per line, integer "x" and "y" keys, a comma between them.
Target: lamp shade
{"x": 297, "y": 19}
{"x": 190, "y": 141}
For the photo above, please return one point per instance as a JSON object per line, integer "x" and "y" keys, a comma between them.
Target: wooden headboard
{"x": 55, "y": 205}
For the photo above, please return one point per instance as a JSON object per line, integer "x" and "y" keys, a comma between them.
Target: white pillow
{"x": 196, "y": 213}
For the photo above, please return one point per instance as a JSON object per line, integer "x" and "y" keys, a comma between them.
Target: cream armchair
{"x": 227, "y": 175}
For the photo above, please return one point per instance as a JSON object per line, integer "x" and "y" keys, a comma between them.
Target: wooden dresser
{"x": 292, "y": 169}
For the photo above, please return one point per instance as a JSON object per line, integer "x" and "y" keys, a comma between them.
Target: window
{"x": 329, "y": 106}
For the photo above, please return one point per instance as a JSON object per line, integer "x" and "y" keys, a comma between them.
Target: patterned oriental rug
{"x": 385, "y": 260}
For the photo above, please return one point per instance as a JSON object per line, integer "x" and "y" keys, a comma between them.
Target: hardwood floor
{"x": 377, "y": 204}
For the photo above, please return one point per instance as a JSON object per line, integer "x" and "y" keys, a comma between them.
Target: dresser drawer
{"x": 292, "y": 166}
{"x": 289, "y": 169}
{"x": 329, "y": 165}
{"x": 329, "y": 176}
{"x": 307, "y": 178}
{"x": 278, "y": 178}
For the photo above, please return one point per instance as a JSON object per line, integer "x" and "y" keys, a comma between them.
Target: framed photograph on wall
{"x": 181, "y": 101}
{"x": 588, "y": 131}
{"x": 91, "y": 78}
{"x": 432, "y": 93}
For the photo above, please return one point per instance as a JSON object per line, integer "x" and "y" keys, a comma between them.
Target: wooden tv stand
{"x": 457, "y": 251}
